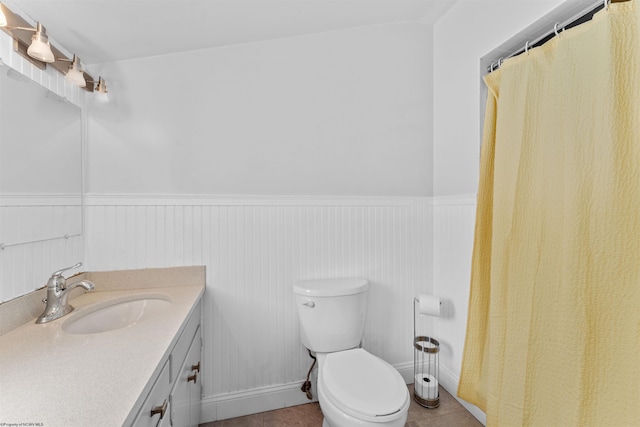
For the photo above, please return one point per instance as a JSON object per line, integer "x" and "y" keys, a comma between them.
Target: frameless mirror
{"x": 40, "y": 162}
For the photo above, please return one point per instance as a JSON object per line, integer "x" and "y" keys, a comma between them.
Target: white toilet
{"x": 355, "y": 388}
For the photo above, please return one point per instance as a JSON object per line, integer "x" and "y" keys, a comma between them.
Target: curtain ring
{"x": 499, "y": 62}
{"x": 555, "y": 28}
{"x": 606, "y": 4}
{"x": 526, "y": 47}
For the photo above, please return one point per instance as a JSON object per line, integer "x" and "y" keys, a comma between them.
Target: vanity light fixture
{"x": 39, "y": 52}
{"x": 101, "y": 87}
{"x": 74, "y": 75}
{"x": 100, "y": 90}
{"x": 39, "y": 48}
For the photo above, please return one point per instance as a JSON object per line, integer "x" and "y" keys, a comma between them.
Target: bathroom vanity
{"x": 87, "y": 369}
{"x": 175, "y": 397}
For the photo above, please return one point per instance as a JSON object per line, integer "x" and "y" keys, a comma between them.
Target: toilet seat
{"x": 363, "y": 385}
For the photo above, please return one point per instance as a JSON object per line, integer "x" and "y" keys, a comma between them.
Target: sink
{"x": 116, "y": 314}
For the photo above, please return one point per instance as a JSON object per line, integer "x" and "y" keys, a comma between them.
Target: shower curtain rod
{"x": 579, "y": 18}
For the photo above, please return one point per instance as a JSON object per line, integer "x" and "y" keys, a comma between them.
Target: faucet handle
{"x": 59, "y": 272}
{"x": 57, "y": 280}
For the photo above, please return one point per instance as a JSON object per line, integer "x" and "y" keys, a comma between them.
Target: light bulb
{"x": 101, "y": 93}
{"x": 40, "y": 48}
{"x": 75, "y": 75}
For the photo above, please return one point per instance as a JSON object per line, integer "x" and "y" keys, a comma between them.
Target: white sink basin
{"x": 116, "y": 314}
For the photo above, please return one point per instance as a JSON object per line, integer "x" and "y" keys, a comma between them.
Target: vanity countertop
{"x": 51, "y": 378}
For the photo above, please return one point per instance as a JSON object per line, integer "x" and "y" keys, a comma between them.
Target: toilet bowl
{"x": 355, "y": 388}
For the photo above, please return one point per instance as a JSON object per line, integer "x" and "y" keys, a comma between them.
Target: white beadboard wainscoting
{"x": 30, "y": 246}
{"x": 453, "y": 229}
{"x": 26, "y": 267}
{"x": 255, "y": 249}
{"x": 29, "y": 218}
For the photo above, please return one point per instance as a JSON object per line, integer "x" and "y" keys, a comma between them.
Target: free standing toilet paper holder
{"x": 425, "y": 367}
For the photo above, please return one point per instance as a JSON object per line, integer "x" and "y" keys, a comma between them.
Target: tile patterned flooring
{"x": 449, "y": 414}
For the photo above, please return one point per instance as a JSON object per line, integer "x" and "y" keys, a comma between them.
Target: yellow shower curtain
{"x": 553, "y": 332}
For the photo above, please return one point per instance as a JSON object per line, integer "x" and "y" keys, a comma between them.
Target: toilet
{"x": 355, "y": 388}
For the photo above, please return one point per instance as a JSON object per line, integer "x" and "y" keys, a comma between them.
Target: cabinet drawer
{"x": 182, "y": 346}
{"x": 157, "y": 401}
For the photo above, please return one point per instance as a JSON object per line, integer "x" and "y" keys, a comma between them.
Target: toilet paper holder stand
{"x": 426, "y": 351}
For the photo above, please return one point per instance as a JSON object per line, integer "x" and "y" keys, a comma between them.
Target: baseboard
{"x": 406, "y": 370}
{"x": 238, "y": 404}
{"x": 449, "y": 381}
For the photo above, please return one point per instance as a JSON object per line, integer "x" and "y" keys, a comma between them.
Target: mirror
{"x": 40, "y": 162}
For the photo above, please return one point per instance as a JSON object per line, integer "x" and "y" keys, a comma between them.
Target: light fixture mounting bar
{"x": 16, "y": 26}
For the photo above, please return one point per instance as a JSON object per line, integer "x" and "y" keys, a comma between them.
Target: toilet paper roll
{"x": 429, "y": 305}
{"x": 426, "y": 386}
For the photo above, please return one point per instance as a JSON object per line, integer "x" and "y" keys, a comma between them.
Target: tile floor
{"x": 449, "y": 414}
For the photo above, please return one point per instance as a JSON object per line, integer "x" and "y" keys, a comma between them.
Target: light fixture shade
{"x": 101, "y": 93}
{"x": 40, "y": 48}
{"x": 101, "y": 87}
{"x": 75, "y": 75}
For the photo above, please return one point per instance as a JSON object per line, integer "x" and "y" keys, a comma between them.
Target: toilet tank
{"x": 332, "y": 313}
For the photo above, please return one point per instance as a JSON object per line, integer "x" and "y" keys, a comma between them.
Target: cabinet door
{"x": 188, "y": 379}
{"x": 195, "y": 389}
{"x": 156, "y": 408}
{"x": 165, "y": 422}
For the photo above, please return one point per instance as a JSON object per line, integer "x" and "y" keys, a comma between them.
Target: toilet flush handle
{"x": 309, "y": 304}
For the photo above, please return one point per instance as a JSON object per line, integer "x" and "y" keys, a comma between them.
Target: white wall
{"x": 345, "y": 114}
{"x": 339, "y": 113}
{"x": 469, "y": 31}
{"x": 254, "y": 251}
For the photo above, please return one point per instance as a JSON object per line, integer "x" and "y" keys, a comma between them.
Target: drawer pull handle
{"x": 193, "y": 378}
{"x": 196, "y": 367}
{"x": 160, "y": 410}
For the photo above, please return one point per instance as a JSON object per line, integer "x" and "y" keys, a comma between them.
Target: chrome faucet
{"x": 58, "y": 294}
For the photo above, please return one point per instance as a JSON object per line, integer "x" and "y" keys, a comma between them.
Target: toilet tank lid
{"x": 331, "y": 287}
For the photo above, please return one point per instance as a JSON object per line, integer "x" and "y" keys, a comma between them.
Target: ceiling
{"x": 111, "y": 30}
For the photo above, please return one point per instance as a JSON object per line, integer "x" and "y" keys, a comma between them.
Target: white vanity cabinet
{"x": 131, "y": 376}
{"x": 155, "y": 409}
{"x": 187, "y": 390}
{"x": 175, "y": 398}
